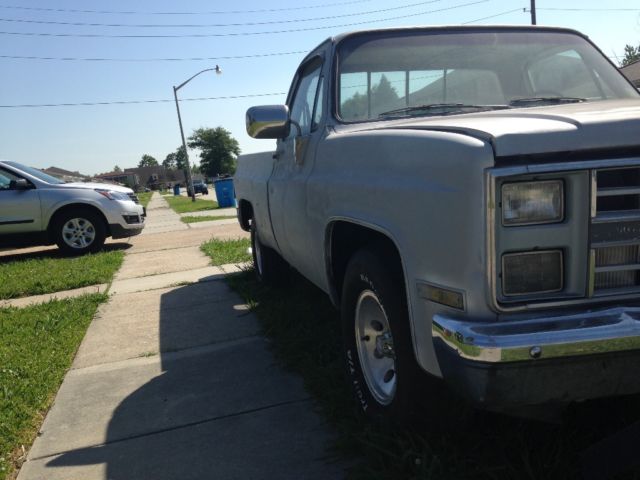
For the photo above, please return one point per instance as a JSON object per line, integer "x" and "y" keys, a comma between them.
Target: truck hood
{"x": 93, "y": 186}
{"x": 540, "y": 130}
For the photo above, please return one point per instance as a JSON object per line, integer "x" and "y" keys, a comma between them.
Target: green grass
{"x": 205, "y": 218}
{"x": 182, "y": 204}
{"x": 37, "y": 346}
{"x": 223, "y": 252}
{"x": 144, "y": 198}
{"x": 305, "y": 337}
{"x": 53, "y": 273}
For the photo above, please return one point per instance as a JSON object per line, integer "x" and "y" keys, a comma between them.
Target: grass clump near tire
{"x": 223, "y": 252}
{"x": 37, "y": 346}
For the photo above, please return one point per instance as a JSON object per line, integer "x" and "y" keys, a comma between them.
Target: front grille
{"x": 615, "y": 230}
{"x": 134, "y": 197}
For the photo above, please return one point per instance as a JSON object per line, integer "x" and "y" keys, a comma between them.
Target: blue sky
{"x": 94, "y": 139}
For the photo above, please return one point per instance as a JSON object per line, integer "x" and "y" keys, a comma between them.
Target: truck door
{"x": 295, "y": 157}
{"x": 19, "y": 209}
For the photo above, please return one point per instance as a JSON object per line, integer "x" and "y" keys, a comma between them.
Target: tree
{"x": 181, "y": 158}
{"x": 147, "y": 161}
{"x": 631, "y": 55}
{"x": 218, "y": 150}
{"x": 117, "y": 169}
{"x": 170, "y": 161}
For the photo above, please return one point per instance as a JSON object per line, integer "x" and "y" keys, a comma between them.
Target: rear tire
{"x": 270, "y": 267}
{"x": 79, "y": 231}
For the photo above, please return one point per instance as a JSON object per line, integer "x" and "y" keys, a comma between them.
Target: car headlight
{"x": 531, "y": 203}
{"x": 113, "y": 195}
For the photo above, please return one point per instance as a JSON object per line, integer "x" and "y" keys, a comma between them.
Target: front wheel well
{"x": 343, "y": 240}
{"x": 245, "y": 214}
{"x": 73, "y": 206}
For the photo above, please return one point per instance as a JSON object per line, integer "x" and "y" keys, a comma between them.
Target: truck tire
{"x": 79, "y": 231}
{"x": 270, "y": 267}
{"x": 380, "y": 364}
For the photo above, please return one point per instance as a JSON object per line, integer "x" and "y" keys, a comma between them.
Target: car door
{"x": 19, "y": 208}
{"x": 295, "y": 157}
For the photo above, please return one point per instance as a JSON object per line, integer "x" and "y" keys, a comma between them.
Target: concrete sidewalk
{"x": 175, "y": 381}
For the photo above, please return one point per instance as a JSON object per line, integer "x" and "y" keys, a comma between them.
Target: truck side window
{"x": 302, "y": 107}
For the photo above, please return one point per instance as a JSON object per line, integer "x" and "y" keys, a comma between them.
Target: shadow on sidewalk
{"x": 218, "y": 409}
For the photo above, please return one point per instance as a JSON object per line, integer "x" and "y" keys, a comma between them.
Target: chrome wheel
{"x": 78, "y": 233}
{"x": 375, "y": 347}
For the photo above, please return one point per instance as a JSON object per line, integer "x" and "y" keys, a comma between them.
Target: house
{"x": 157, "y": 176}
{"x": 65, "y": 175}
{"x": 124, "y": 178}
{"x": 632, "y": 72}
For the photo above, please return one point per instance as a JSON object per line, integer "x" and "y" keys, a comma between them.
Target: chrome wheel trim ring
{"x": 78, "y": 233}
{"x": 374, "y": 343}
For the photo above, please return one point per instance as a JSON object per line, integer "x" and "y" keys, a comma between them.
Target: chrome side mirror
{"x": 268, "y": 121}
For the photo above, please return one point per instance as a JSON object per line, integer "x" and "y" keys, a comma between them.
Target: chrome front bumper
{"x": 596, "y": 332}
{"x": 557, "y": 359}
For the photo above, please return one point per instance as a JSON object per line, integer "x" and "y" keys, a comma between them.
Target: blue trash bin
{"x": 224, "y": 192}
{"x": 176, "y": 189}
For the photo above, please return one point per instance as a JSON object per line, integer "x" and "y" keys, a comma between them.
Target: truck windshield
{"x": 443, "y": 72}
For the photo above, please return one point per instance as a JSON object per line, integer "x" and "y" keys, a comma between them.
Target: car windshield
{"x": 444, "y": 72}
{"x": 34, "y": 172}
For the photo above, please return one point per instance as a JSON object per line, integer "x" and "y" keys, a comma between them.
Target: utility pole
{"x": 533, "y": 12}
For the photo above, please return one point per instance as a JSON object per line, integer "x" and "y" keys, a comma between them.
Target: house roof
{"x": 632, "y": 72}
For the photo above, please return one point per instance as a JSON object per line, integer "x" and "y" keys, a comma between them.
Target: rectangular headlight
{"x": 532, "y": 272}
{"x": 530, "y": 203}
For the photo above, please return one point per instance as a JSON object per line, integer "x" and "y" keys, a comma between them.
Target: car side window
{"x": 7, "y": 180}
{"x": 303, "y": 105}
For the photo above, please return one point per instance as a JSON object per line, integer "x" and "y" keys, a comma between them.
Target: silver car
{"x": 38, "y": 209}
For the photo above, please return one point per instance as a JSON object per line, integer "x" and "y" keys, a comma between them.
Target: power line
{"x": 212, "y": 25}
{"x": 236, "y": 34}
{"x": 220, "y": 12}
{"x": 590, "y": 9}
{"x": 493, "y": 16}
{"x": 98, "y": 59}
{"x": 136, "y": 102}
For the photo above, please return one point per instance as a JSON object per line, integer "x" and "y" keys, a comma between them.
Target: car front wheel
{"x": 79, "y": 231}
{"x": 378, "y": 349}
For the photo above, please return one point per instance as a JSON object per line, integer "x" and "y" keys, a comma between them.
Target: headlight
{"x": 113, "y": 195}
{"x": 532, "y": 272}
{"x": 529, "y": 203}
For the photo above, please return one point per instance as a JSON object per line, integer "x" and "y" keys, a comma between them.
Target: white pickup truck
{"x": 469, "y": 197}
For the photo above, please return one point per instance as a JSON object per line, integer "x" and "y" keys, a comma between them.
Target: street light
{"x": 187, "y": 172}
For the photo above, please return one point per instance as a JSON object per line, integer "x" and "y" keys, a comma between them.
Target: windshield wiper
{"x": 552, "y": 100}
{"x": 441, "y": 108}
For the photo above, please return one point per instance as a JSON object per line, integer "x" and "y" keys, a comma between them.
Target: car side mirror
{"x": 268, "y": 121}
{"x": 21, "y": 184}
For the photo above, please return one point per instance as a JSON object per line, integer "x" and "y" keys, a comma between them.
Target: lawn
{"x": 305, "y": 336}
{"x": 223, "y": 252}
{"x": 204, "y": 218}
{"x": 53, "y": 273}
{"x": 182, "y": 204}
{"x": 144, "y": 198}
{"x": 37, "y": 346}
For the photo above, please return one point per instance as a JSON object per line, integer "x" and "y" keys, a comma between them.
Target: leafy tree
{"x": 631, "y": 55}
{"x": 147, "y": 161}
{"x": 181, "y": 158}
{"x": 170, "y": 161}
{"x": 117, "y": 169}
{"x": 218, "y": 150}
